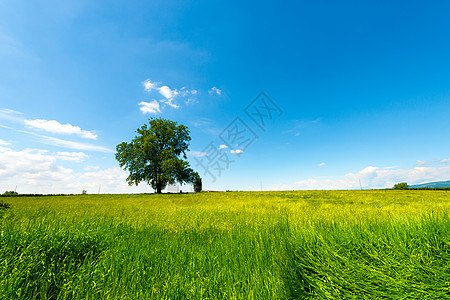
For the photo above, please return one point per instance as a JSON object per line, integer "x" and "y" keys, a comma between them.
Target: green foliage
{"x": 10, "y": 193}
{"x": 157, "y": 154}
{"x": 401, "y": 186}
{"x": 84, "y": 192}
{"x": 235, "y": 245}
{"x": 197, "y": 182}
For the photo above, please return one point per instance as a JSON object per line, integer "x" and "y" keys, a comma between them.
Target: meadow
{"x": 381, "y": 244}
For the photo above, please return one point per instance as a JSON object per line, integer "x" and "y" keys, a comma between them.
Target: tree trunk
{"x": 158, "y": 189}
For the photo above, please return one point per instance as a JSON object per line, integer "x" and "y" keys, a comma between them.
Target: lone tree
{"x": 157, "y": 155}
{"x": 401, "y": 186}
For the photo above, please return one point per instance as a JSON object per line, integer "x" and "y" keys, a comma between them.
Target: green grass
{"x": 240, "y": 245}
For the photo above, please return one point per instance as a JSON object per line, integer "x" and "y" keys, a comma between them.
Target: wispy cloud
{"x": 169, "y": 96}
{"x": 11, "y": 115}
{"x": 54, "y": 126}
{"x": 148, "y": 85}
{"x": 72, "y": 156}
{"x": 207, "y": 125}
{"x": 91, "y": 168}
{"x": 297, "y": 125}
{"x": 197, "y": 153}
{"x": 67, "y": 144}
{"x": 223, "y": 147}
{"x": 237, "y": 151}
{"x": 203, "y": 122}
{"x": 73, "y": 145}
{"x": 215, "y": 91}
{"x": 305, "y": 123}
{"x": 321, "y": 164}
{"x": 149, "y": 107}
{"x": 423, "y": 163}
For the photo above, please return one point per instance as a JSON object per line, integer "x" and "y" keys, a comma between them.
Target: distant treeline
{"x": 34, "y": 195}
{"x": 50, "y": 195}
{"x": 431, "y": 188}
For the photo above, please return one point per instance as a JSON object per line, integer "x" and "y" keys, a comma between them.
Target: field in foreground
{"x": 240, "y": 245}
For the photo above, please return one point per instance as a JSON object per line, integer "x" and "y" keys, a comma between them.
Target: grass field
{"x": 239, "y": 245}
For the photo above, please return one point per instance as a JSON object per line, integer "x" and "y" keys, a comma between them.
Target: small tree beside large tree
{"x": 401, "y": 186}
{"x": 157, "y": 155}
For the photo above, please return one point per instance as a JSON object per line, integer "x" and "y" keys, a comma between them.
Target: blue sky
{"x": 363, "y": 90}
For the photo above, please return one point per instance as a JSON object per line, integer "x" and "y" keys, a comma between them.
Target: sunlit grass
{"x": 261, "y": 245}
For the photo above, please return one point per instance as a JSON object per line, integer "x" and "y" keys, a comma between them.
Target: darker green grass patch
{"x": 45, "y": 263}
{"x": 40, "y": 265}
{"x": 4, "y": 205}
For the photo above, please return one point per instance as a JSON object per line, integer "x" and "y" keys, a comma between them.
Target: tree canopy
{"x": 157, "y": 155}
{"x": 401, "y": 186}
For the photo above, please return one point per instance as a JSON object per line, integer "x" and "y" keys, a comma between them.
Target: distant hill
{"x": 437, "y": 184}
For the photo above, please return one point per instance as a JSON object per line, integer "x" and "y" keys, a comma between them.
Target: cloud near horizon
{"x": 371, "y": 177}
{"x": 38, "y": 171}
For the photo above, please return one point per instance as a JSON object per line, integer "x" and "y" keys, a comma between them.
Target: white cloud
{"x": 197, "y": 153}
{"x": 238, "y": 151}
{"x": 10, "y": 111}
{"x": 170, "y": 95}
{"x": 64, "y": 143}
{"x": 56, "y": 127}
{"x": 67, "y": 144}
{"x": 444, "y": 161}
{"x": 322, "y": 164}
{"x": 72, "y": 156}
{"x": 149, "y": 107}
{"x": 148, "y": 85}
{"x": 170, "y": 103}
{"x": 30, "y": 166}
{"x": 189, "y": 95}
{"x": 223, "y": 146}
{"x": 423, "y": 163}
{"x": 38, "y": 171}
{"x": 3, "y": 143}
{"x": 167, "y": 93}
{"x": 215, "y": 90}
{"x": 371, "y": 177}
{"x": 90, "y": 168}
